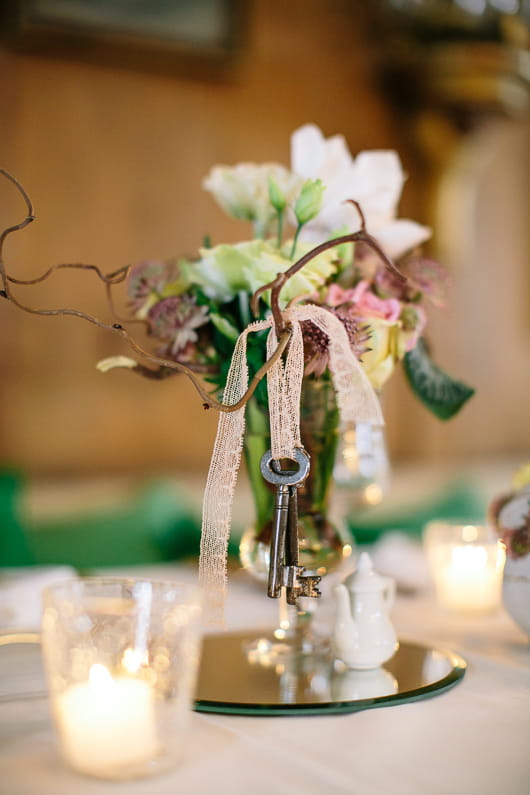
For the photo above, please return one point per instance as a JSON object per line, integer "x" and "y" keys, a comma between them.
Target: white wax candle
{"x": 471, "y": 580}
{"x": 107, "y": 723}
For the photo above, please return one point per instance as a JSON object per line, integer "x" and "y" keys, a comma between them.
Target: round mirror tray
{"x": 245, "y": 673}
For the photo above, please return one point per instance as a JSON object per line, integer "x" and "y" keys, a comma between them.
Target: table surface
{"x": 471, "y": 739}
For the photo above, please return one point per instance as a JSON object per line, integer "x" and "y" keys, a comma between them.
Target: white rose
{"x": 243, "y": 191}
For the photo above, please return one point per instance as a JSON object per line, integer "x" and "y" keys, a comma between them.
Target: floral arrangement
{"x": 196, "y": 309}
{"x": 510, "y": 514}
{"x": 325, "y": 233}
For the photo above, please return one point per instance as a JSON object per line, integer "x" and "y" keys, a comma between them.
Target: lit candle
{"x": 467, "y": 563}
{"x": 468, "y": 583}
{"x": 107, "y": 723}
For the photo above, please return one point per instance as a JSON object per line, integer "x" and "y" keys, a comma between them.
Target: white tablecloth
{"x": 471, "y": 740}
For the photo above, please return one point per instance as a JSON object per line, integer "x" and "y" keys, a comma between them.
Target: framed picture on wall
{"x": 147, "y": 34}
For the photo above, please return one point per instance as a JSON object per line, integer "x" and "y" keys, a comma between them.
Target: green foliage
{"x": 224, "y": 326}
{"x": 440, "y": 393}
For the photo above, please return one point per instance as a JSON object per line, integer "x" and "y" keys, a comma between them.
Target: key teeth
{"x": 308, "y": 586}
{"x": 297, "y": 584}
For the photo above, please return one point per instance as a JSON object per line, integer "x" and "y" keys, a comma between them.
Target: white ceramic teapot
{"x": 363, "y": 636}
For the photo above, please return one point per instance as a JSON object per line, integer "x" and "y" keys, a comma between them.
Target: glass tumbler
{"x": 121, "y": 658}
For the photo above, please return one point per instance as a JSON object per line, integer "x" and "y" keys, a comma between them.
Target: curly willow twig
{"x": 115, "y": 278}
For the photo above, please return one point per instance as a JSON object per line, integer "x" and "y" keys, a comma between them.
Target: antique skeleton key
{"x": 283, "y": 567}
{"x": 283, "y": 480}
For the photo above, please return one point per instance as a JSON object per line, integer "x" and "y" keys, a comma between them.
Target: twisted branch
{"x": 115, "y": 278}
{"x": 277, "y": 284}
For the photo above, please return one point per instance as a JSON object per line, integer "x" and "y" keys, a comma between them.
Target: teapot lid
{"x": 364, "y": 578}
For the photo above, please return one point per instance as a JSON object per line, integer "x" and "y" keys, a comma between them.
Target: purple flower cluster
{"x": 150, "y": 277}
{"x": 174, "y": 320}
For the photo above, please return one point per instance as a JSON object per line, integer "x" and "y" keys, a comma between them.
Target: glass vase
{"x": 362, "y": 469}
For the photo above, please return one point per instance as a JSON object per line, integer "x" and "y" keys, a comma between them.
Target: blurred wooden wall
{"x": 113, "y": 160}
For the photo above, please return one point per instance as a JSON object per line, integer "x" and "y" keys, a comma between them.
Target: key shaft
{"x": 291, "y": 547}
{"x": 277, "y": 548}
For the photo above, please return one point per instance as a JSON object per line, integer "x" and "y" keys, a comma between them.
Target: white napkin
{"x": 21, "y": 592}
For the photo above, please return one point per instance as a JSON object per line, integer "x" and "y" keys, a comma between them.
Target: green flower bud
{"x": 309, "y": 201}
{"x": 276, "y": 195}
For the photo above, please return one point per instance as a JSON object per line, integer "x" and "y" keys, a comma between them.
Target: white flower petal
{"x": 115, "y": 361}
{"x": 315, "y": 157}
{"x": 307, "y": 150}
{"x": 398, "y": 237}
{"x": 377, "y": 184}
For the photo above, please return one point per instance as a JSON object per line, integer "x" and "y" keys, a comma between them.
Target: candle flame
{"x": 469, "y": 533}
{"x": 100, "y": 678}
{"x": 469, "y": 558}
{"x": 133, "y": 659}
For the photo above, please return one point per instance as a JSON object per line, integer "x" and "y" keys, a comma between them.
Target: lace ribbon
{"x": 356, "y": 400}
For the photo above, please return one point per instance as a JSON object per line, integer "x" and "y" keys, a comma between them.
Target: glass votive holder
{"x": 466, "y": 563}
{"x": 121, "y": 658}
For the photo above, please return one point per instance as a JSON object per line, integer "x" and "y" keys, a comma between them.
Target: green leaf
{"x": 224, "y": 327}
{"x": 440, "y": 393}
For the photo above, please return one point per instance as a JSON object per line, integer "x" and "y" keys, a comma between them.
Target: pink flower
{"x": 369, "y": 305}
{"x": 337, "y": 295}
{"x": 365, "y": 302}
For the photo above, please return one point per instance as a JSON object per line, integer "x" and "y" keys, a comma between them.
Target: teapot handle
{"x": 389, "y": 594}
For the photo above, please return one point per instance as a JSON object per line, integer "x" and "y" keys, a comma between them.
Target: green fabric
{"x": 14, "y": 548}
{"x": 157, "y": 526}
{"x": 160, "y": 525}
{"x": 457, "y": 502}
